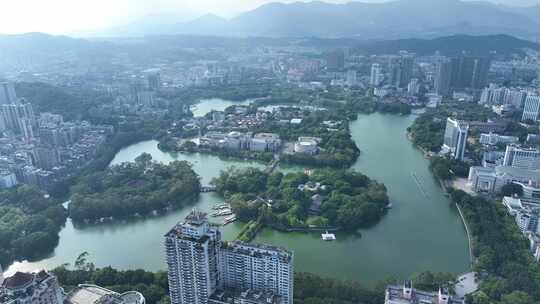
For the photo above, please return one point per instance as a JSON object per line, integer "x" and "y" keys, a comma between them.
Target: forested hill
{"x": 453, "y": 45}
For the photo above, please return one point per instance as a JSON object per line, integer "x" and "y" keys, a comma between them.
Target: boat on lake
{"x": 328, "y": 236}
{"x": 229, "y": 219}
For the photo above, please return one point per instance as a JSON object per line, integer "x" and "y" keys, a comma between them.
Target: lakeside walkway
{"x": 468, "y": 234}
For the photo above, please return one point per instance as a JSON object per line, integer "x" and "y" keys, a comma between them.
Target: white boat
{"x": 221, "y": 206}
{"x": 229, "y": 219}
{"x": 222, "y": 212}
{"x": 328, "y": 236}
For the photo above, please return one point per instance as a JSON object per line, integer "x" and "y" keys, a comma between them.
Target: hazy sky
{"x": 76, "y": 16}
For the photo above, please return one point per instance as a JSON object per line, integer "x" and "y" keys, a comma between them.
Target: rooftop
{"x": 18, "y": 280}
{"x": 396, "y": 295}
{"x": 93, "y": 294}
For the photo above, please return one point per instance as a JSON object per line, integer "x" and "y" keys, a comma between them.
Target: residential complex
{"x": 204, "y": 269}
{"x": 44, "y": 150}
{"x": 461, "y": 73}
{"x": 497, "y": 95}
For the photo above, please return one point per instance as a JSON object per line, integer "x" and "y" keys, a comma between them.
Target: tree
{"x": 517, "y": 297}
{"x": 512, "y": 189}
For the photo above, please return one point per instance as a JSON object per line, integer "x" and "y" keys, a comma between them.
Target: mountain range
{"x": 388, "y": 20}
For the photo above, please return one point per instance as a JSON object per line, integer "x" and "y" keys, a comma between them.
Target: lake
{"x": 421, "y": 232}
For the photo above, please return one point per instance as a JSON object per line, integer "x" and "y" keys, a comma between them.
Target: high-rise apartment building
{"x": 455, "y": 137}
{"x": 406, "y": 70}
{"x": 19, "y": 118}
{"x": 496, "y": 95}
{"x": 257, "y": 267}
{"x": 522, "y": 158}
{"x": 335, "y": 60}
{"x": 460, "y": 73}
{"x": 203, "y": 269}
{"x": 376, "y": 75}
{"x": 192, "y": 250}
{"x": 7, "y": 93}
{"x": 153, "y": 78}
{"x": 414, "y": 87}
{"x": 531, "y": 111}
{"x": 443, "y": 77}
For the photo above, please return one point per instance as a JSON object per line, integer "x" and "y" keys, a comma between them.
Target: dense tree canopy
{"x": 348, "y": 199}
{"x": 130, "y": 189}
{"x": 510, "y": 275}
{"x": 29, "y": 224}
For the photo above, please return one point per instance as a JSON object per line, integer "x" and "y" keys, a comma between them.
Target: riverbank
{"x": 468, "y": 234}
{"x": 446, "y": 187}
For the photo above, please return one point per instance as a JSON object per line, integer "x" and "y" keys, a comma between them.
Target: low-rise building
{"x": 491, "y": 180}
{"x": 406, "y": 294}
{"x": 31, "y": 288}
{"x": 93, "y": 294}
{"x": 265, "y": 142}
{"x": 245, "y": 297}
{"x": 527, "y": 217}
{"x": 494, "y": 139}
{"x": 307, "y": 145}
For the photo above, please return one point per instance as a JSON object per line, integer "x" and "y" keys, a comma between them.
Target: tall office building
{"x": 7, "y": 93}
{"x": 376, "y": 75}
{"x": 522, "y": 158}
{"x": 455, "y": 137}
{"x": 531, "y": 110}
{"x": 443, "y": 77}
{"x": 203, "y": 269}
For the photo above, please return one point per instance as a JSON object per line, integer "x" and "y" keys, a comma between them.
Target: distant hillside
{"x": 42, "y": 51}
{"x": 394, "y": 19}
{"x": 453, "y": 45}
